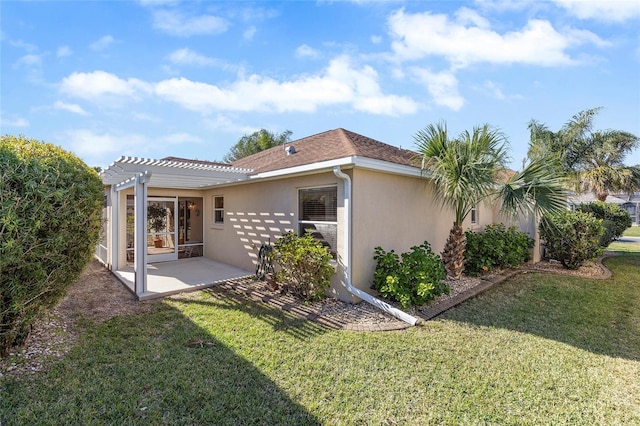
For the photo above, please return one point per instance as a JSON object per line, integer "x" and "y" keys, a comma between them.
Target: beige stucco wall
{"x": 397, "y": 212}
{"x": 256, "y": 213}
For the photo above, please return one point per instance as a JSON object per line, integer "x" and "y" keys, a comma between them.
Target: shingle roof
{"x": 329, "y": 145}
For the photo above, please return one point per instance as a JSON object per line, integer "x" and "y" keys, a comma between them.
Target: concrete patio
{"x": 166, "y": 278}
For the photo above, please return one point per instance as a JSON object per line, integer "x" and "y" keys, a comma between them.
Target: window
{"x": 474, "y": 216}
{"x": 318, "y": 214}
{"x": 218, "y": 209}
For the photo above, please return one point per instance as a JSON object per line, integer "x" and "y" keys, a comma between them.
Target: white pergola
{"x": 142, "y": 173}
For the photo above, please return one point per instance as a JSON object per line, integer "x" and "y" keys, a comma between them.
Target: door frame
{"x": 165, "y": 257}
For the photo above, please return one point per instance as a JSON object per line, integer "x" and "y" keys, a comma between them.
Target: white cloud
{"x": 249, "y": 33}
{"x": 226, "y": 124}
{"x": 442, "y": 86}
{"x": 92, "y": 146}
{"x": 494, "y": 89}
{"x": 187, "y": 56}
{"x": 340, "y": 83}
{"x": 376, "y": 39}
{"x": 13, "y": 121}
{"x": 98, "y": 83}
{"x": 29, "y": 47}
{"x": 175, "y": 23}
{"x": 608, "y": 11}
{"x": 64, "y": 51}
{"x": 306, "y": 51}
{"x": 29, "y": 61}
{"x": 103, "y": 43}
{"x": 468, "y": 39}
{"x": 74, "y": 108}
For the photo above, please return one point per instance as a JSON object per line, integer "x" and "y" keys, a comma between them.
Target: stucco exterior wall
{"x": 398, "y": 212}
{"x": 255, "y": 213}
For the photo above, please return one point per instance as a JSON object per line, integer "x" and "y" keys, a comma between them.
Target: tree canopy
{"x": 593, "y": 159}
{"x": 256, "y": 142}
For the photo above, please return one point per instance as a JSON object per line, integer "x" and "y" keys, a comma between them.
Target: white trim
{"x": 346, "y": 259}
{"x": 357, "y": 161}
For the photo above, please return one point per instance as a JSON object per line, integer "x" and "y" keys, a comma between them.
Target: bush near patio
{"x": 413, "y": 278}
{"x": 50, "y": 223}
{"x": 615, "y": 219}
{"x": 571, "y": 237}
{"x": 496, "y": 247}
{"x": 304, "y": 265}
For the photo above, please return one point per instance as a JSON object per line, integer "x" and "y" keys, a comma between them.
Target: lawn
{"x": 536, "y": 349}
{"x": 633, "y": 231}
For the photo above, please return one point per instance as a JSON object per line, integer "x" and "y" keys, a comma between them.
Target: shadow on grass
{"x": 141, "y": 370}
{"x": 277, "y": 319}
{"x": 600, "y": 316}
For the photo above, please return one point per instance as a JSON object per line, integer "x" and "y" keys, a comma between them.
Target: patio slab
{"x": 167, "y": 278}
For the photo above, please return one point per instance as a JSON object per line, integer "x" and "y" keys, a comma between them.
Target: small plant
{"x": 571, "y": 237}
{"x": 413, "y": 278}
{"x": 496, "y": 247}
{"x": 615, "y": 219}
{"x": 304, "y": 265}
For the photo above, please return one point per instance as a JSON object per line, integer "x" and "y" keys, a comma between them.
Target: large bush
{"x": 304, "y": 265}
{"x": 50, "y": 223}
{"x": 496, "y": 247}
{"x": 413, "y": 278}
{"x": 615, "y": 219}
{"x": 571, "y": 237}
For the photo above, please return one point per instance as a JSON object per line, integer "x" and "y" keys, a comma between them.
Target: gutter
{"x": 347, "y": 259}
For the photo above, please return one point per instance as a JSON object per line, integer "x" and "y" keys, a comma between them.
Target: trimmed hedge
{"x": 615, "y": 219}
{"x": 50, "y": 223}
{"x": 571, "y": 237}
{"x": 496, "y": 247}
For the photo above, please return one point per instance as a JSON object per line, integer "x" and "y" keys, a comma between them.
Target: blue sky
{"x": 158, "y": 78}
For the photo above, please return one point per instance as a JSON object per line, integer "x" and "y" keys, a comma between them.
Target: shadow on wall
{"x": 255, "y": 229}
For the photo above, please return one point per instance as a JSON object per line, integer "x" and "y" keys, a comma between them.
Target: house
{"x": 353, "y": 192}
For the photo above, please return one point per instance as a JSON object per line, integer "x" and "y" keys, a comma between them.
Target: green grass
{"x": 633, "y": 231}
{"x": 627, "y": 247}
{"x": 536, "y": 349}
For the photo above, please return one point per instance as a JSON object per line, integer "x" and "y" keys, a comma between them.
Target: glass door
{"x": 162, "y": 225}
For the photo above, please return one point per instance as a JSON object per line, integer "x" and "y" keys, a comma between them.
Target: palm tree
{"x": 466, "y": 170}
{"x": 593, "y": 160}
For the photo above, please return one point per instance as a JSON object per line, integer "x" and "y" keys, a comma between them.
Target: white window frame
{"x": 218, "y": 210}
{"x": 313, "y": 222}
{"x": 474, "y": 215}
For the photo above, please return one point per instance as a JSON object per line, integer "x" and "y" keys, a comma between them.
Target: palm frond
{"x": 537, "y": 189}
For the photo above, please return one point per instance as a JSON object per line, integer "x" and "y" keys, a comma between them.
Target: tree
{"x": 593, "y": 159}
{"x": 466, "y": 170}
{"x": 256, "y": 142}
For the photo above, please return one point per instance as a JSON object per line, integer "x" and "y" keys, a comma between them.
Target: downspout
{"x": 346, "y": 261}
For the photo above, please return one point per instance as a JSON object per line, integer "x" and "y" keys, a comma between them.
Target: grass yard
{"x": 633, "y": 231}
{"x": 536, "y": 349}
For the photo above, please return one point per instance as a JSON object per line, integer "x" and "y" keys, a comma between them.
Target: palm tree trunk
{"x": 453, "y": 253}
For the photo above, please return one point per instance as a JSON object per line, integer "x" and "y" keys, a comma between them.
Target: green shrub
{"x": 50, "y": 223}
{"x": 413, "y": 278}
{"x": 616, "y": 219}
{"x": 571, "y": 237}
{"x": 304, "y": 265}
{"x": 496, "y": 247}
